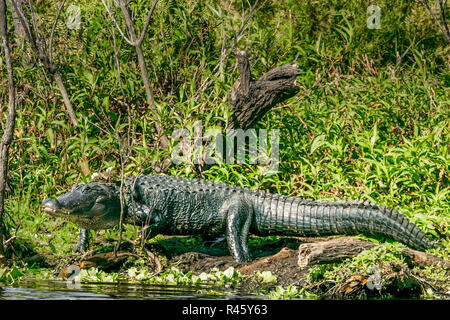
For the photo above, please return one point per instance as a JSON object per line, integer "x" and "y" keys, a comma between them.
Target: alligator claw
{"x": 82, "y": 243}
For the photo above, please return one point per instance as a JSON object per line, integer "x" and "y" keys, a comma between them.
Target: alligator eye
{"x": 86, "y": 188}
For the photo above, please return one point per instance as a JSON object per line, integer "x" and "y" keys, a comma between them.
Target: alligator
{"x": 179, "y": 206}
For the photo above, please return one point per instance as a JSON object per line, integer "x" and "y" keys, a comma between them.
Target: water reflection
{"x": 50, "y": 290}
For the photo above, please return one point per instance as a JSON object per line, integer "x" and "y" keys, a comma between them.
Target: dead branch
{"x": 444, "y": 26}
{"x": 131, "y": 37}
{"x": 39, "y": 48}
{"x": 224, "y": 52}
{"x": 18, "y": 29}
{"x": 251, "y": 99}
{"x": 50, "y": 45}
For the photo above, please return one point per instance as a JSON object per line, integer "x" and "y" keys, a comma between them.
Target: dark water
{"x": 61, "y": 290}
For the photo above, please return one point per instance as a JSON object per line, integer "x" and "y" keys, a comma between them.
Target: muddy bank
{"x": 391, "y": 280}
{"x": 282, "y": 264}
{"x": 409, "y": 278}
{"x": 291, "y": 261}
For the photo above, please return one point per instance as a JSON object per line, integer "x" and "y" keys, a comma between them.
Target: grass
{"x": 364, "y": 126}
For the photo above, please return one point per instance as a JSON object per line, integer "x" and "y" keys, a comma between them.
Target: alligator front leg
{"x": 238, "y": 221}
{"x": 83, "y": 241}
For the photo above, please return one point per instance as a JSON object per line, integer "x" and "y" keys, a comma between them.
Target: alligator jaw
{"x": 55, "y": 211}
{"x": 52, "y": 206}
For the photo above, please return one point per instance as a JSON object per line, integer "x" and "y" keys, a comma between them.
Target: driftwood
{"x": 338, "y": 249}
{"x": 251, "y": 99}
{"x": 285, "y": 256}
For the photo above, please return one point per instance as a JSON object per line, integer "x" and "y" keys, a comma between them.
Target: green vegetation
{"x": 381, "y": 261}
{"x": 290, "y": 292}
{"x": 371, "y": 121}
{"x": 10, "y": 275}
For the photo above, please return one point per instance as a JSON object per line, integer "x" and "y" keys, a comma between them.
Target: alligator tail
{"x": 290, "y": 216}
{"x": 373, "y": 219}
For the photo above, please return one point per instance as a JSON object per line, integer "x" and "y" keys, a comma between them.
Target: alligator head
{"x": 90, "y": 206}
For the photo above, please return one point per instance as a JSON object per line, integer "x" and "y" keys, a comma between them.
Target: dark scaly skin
{"x": 176, "y": 206}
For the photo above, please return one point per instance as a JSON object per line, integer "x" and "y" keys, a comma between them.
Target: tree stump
{"x": 251, "y": 99}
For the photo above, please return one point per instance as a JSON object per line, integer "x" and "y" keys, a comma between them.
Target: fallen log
{"x": 330, "y": 251}
{"x": 338, "y": 249}
{"x": 422, "y": 259}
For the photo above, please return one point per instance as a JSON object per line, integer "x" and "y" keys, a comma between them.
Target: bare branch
{"x": 147, "y": 23}
{"x": 117, "y": 24}
{"x": 65, "y": 96}
{"x": 38, "y": 47}
{"x": 53, "y": 30}
{"x": 18, "y": 29}
{"x": 35, "y": 26}
{"x": 226, "y": 49}
{"x": 24, "y": 22}
{"x": 442, "y": 5}
{"x": 243, "y": 25}
{"x": 222, "y": 50}
{"x": 445, "y": 31}
{"x": 116, "y": 57}
{"x": 136, "y": 42}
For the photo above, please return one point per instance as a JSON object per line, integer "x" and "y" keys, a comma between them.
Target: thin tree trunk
{"x": 19, "y": 30}
{"x": 140, "y": 54}
{"x": 144, "y": 73}
{"x": 40, "y": 50}
{"x": 137, "y": 43}
{"x": 9, "y": 128}
{"x": 65, "y": 96}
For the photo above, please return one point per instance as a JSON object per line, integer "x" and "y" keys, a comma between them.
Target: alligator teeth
{"x": 55, "y": 210}
{"x": 48, "y": 209}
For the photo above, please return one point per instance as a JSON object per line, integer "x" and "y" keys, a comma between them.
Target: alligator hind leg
{"x": 82, "y": 243}
{"x": 238, "y": 221}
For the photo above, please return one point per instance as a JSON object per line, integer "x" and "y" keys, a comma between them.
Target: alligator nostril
{"x": 50, "y": 205}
